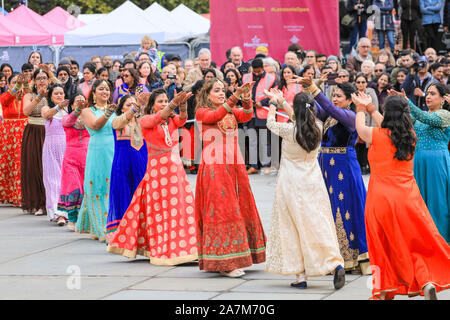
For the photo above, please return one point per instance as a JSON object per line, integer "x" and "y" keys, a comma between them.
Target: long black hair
{"x": 94, "y": 87}
{"x": 283, "y": 83}
{"x": 52, "y": 88}
{"x": 308, "y": 134}
{"x": 151, "y": 101}
{"x": 398, "y": 121}
{"x": 123, "y": 99}
{"x": 443, "y": 90}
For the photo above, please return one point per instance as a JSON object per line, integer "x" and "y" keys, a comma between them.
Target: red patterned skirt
{"x": 11, "y": 131}
{"x": 229, "y": 231}
{"x": 160, "y": 221}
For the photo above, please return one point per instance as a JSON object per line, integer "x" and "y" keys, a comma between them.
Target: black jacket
{"x": 410, "y": 10}
{"x": 447, "y": 13}
{"x": 351, "y": 9}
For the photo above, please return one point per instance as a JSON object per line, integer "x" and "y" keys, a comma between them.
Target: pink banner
{"x": 314, "y": 24}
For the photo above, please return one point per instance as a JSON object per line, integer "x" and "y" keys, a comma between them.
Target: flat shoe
{"x": 299, "y": 285}
{"x": 232, "y": 274}
{"x": 430, "y": 292}
{"x": 339, "y": 277}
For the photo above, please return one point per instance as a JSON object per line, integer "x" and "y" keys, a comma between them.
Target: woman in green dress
{"x": 98, "y": 121}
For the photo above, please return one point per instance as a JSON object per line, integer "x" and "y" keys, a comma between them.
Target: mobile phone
{"x": 228, "y": 80}
{"x": 171, "y": 76}
{"x": 332, "y": 78}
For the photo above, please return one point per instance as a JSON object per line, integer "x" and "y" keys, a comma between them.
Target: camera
{"x": 360, "y": 7}
{"x": 171, "y": 76}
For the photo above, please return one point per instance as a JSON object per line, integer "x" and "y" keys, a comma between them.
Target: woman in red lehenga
{"x": 230, "y": 233}
{"x": 160, "y": 221}
{"x": 408, "y": 256}
{"x": 11, "y": 131}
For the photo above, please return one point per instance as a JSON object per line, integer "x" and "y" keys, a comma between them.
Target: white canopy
{"x": 190, "y": 20}
{"x": 161, "y": 17}
{"x": 125, "y": 25}
{"x": 89, "y": 18}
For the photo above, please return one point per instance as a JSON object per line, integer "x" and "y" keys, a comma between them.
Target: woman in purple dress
{"x": 53, "y": 151}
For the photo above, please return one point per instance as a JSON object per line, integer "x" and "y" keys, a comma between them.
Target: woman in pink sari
{"x": 74, "y": 162}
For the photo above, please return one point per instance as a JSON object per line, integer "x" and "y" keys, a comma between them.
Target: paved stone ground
{"x": 40, "y": 260}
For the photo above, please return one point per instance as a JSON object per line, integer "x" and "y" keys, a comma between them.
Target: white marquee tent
{"x": 161, "y": 16}
{"x": 125, "y": 25}
{"x": 190, "y": 20}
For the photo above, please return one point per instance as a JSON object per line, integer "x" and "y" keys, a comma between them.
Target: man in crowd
{"x": 417, "y": 82}
{"x": 406, "y": 61}
{"x": 362, "y": 54}
{"x": 196, "y": 74}
{"x": 75, "y": 72}
{"x": 291, "y": 59}
{"x": 256, "y": 129}
{"x": 379, "y": 70}
{"x": 236, "y": 56}
{"x": 108, "y": 63}
{"x": 431, "y": 55}
{"x": 97, "y": 60}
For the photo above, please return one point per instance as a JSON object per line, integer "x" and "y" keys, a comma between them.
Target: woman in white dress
{"x": 302, "y": 239}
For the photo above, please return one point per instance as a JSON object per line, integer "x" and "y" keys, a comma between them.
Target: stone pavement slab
{"x": 189, "y": 284}
{"x": 161, "y": 295}
{"x": 42, "y": 261}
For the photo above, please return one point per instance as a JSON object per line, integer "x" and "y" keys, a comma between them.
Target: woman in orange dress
{"x": 229, "y": 231}
{"x": 11, "y": 132}
{"x": 407, "y": 254}
{"x": 160, "y": 221}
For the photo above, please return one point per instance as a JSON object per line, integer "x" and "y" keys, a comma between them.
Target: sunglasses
{"x": 360, "y": 82}
{"x": 379, "y": 70}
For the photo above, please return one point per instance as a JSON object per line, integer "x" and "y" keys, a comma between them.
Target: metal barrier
{"x": 16, "y": 56}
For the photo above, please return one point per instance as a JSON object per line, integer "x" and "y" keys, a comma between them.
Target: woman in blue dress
{"x": 342, "y": 173}
{"x": 129, "y": 164}
{"x": 432, "y": 160}
{"x": 98, "y": 121}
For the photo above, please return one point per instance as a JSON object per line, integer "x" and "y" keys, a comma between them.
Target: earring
{"x": 95, "y": 100}
{"x": 442, "y": 103}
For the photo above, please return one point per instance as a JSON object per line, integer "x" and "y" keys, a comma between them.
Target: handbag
{"x": 348, "y": 20}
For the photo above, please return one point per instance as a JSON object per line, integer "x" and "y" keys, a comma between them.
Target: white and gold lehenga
{"x": 302, "y": 237}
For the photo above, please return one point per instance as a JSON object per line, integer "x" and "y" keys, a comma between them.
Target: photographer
{"x": 358, "y": 9}
{"x": 172, "y": 82}
{"x": 417, "y": 82}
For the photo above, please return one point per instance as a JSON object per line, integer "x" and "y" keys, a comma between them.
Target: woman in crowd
{"x": 129, "y": 163}
{"x": 230, "y": 233}
{"x": 342, "y": 173}
{"x": 53, "y": 151}
{"x": 233, "y": 80}
{"x": 11, "y": 133}
{"x": 89, "y": 77}
{"x": 334, "y": 63}
{"x": 381, "y": 88}
{"x": 7, "y": 70}
{"x": 102, "y": 74}
{"x": 271, "y": 66}
{"x": 130, "y": 85}
{"x": 361, "y": 147}
{"x": 70, "y": 88}
{"x": 32, "y": 182}
{"x": 289, "y": 88}
{"x": 35, "y": 58}
{"x": 431, "y": 159}
{"x": 116, "y": 65}
{"x": 401, "y": 76}
{"x": 74, "y": 162}
{"x": 160, "y": 221}
{"x": 227, "y": 66}
{"x": 3, "y": 84}
{"x": 396, "y": 215}
{"x": 386, "y": 57}
{"x": 98, "y": 121}
{"x": 293, "y": 247}
{"x": 148, "y": 77}
{"x": 367, "y": 68}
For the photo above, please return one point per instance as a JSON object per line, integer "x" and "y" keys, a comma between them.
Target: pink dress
{"x": 160, "y": 221}
{"x": 74, "y": 163}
